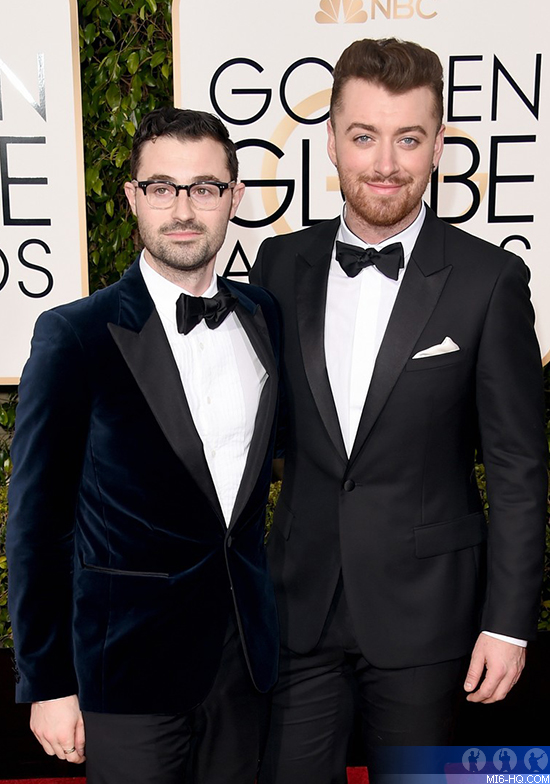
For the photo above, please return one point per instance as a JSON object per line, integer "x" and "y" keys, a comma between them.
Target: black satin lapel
{"x": 149, "y": 357}
{"x": 256, "y": 329}
{"x": 418, "y": 296}
{"x": 311, "y": 297}
{"x": 257, "y": 332}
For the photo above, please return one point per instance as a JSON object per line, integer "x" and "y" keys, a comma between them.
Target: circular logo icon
{"x": 505, "y": 760}
{"x": 536, "y": 760}
{"x": 474, "y": 760}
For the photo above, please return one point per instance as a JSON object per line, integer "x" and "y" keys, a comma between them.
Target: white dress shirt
{"x": 357, "y": 314}
{"x": 223, "y": 380}
{"x": 356, "y": 317}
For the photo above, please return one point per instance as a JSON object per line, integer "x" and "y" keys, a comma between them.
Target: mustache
{"x": 378, "y": 180}
{"x": 190, "y": 225}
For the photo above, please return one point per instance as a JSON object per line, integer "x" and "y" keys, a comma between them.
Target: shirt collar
{"x": 164, "y": 293}
{"x": 407, "y": 237}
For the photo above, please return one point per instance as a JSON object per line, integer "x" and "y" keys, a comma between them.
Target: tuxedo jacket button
{"x": 349, "y": 485}
{"x": 229, "y": 541}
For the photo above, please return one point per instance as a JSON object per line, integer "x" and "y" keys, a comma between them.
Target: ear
{"x": 439, "y": 146}
{"x": 331, "y": 143}
{"x": 236, "y": 197}
{"x": 130, "y": 190}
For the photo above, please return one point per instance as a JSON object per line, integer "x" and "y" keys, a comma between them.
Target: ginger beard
{"x": 382, "y": 211}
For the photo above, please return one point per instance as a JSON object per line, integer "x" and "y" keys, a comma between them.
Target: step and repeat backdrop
{"x": 43, "y": 259}
{"x": 265, "y": 70}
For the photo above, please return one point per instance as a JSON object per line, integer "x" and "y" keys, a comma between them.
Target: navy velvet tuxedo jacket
{"x": 401, "y": 518}
{"x": 122, "y": 569}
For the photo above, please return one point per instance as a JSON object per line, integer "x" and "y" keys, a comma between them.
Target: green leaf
{"x": 113, "y": 95}
{"x": 157, "y": 59}
{"x": 115, "y": 7}
{"x": 122, "y": 156}
{"x": 90, "y": 5}
{"x": 133, "y": 62}
{"x": 90, "y": 33}
{"x": 152, "y": 5}
{"x": 97, "y": 187}
{"x": 105, "y": 14}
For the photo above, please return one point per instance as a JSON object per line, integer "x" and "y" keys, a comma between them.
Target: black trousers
{"x": 218, "y": 742}
{"x": 320, "y": 694}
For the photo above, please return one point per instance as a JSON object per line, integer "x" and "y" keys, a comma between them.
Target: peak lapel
{"x": 311, "y": 295}
{"x": 423, "y": 282}
{"x": 145, "y": 349}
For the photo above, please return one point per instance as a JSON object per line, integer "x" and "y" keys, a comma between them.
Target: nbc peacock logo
{"x": 336, "y": 11}
{"x": 354, "y": 12}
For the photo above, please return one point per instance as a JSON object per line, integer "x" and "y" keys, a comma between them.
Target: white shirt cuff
{"x": 513, "y": 640}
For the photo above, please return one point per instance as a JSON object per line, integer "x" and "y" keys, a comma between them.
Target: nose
{"x": 183, "y": 207}
{"x": 386, "y": 163}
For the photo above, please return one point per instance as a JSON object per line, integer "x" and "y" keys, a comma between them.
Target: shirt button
{"x": 201, "y": 346}
{"x": 349, "y": 485}
{"x": 208, "y": 400}
{"x": 213, "y": 453}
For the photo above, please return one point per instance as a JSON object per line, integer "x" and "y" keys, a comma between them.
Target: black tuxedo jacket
{"x": 122, "y": 569}
{"x": 401, "y": 519}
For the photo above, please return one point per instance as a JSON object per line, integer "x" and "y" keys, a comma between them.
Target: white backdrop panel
{"x": 265, "y": 69}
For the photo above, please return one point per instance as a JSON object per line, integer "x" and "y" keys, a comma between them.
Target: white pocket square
{"x": 446, "y": 347}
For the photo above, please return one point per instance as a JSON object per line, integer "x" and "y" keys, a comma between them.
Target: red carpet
{"x": 355, "y": 776}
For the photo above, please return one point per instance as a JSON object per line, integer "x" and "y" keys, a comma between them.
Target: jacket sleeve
{"x": 50, "y": 436}
{"x": 510, "y": 404}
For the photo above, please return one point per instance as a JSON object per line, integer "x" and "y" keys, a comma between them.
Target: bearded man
{"x": 408, "y": 344}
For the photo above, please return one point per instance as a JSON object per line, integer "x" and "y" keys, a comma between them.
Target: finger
{"x": 59, "y": 750}
{"x": 475, "y": 671}
{"x": 495, "y": 678}
{"x": 48, "y": 748}
{"x": 75, "y": 757}
{"x": 80, "y": 738}
{"x": 67, "y": 751}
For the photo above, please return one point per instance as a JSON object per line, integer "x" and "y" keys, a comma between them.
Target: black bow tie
{"x": 353, "y": 259}
{"x": 190, "y": 311}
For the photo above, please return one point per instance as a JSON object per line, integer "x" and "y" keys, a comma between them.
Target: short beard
{"x": 383, "y": 211}
{"x": 182, "y": 256}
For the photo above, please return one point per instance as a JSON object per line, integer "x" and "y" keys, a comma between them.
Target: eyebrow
{"x": 373, "y": 129}
{"x": 197, "y": 178}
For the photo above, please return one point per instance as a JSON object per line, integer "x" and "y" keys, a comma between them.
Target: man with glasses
{"x": 144, "y": 620}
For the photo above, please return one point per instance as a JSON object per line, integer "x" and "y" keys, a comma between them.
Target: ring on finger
{"x": 69, "y": 751}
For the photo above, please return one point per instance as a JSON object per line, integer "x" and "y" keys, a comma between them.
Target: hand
{"x": 58, "y": 726}
{"x": 503, "y": 662}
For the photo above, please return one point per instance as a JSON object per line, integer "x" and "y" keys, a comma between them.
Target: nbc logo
{"x": 353, "y": 11}
{"x": 347, "y": 11}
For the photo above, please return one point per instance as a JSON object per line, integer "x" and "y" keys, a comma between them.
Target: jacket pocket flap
{"x": 446, "y": 537}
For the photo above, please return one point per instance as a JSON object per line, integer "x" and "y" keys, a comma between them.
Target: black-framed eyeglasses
{"x": 161, "y": 195}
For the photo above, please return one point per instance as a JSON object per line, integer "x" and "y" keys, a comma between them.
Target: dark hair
{"x": 182, "y": 124}
{"x": 398, "y": 66}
